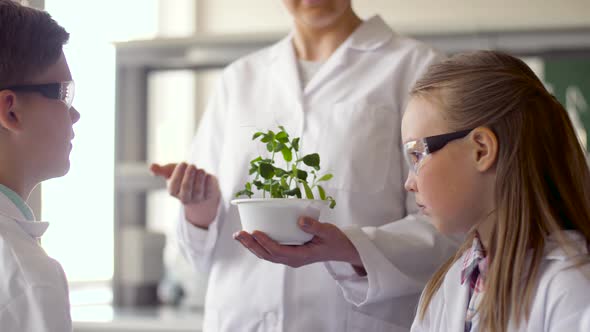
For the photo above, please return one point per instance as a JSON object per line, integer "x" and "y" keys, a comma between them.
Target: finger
{"x": 199, "y": 185}
{"x": 312, "y": 226}
{"x": 272, "y": 247}
{"x": 176, "y": 179}
{"x": 211, "y": 187}
{"x": 289, "y": 255}
{"x": 251, "y": 244}
{"x": 164, "y": 171}
{"x": 186, "y": 186}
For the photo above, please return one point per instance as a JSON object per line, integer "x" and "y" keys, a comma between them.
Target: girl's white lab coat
{"x": 33, "y": 287}
{"x": 560, "y": 304}
{"x": 350, "y": 113}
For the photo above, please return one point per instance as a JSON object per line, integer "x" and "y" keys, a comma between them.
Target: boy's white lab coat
{"x": 350, "y": 112}
{"x": 33, "y": 287}
{"x": 560, "y": 304}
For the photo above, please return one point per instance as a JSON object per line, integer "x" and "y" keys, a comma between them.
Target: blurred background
{"x": 144, "y": 71}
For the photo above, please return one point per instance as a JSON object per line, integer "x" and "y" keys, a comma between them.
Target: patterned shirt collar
{"x": 475, "y": 261}
{"x": 475, "y": 265}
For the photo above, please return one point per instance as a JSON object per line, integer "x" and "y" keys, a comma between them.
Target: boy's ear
{"x": 486, "y": 148}
{"x": 8, "y": 117}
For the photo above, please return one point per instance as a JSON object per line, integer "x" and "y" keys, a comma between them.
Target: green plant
{"x": 288, "y": 181}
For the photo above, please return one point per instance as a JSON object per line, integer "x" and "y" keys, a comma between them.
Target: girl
{"x": 493, "y": 154}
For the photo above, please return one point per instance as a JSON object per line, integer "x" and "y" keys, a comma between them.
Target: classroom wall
{"x": 231, "y": 16}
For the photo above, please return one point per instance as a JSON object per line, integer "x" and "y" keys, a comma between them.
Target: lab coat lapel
{"x": 11, "y": 213}
{"x": 328, "y": 70}
{"x": 369, "y": 36}
{"x": 284, "y": 68}
{"x": 456, "y": 296}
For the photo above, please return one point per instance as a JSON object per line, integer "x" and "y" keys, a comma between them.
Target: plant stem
{"x": 296, "y": 164}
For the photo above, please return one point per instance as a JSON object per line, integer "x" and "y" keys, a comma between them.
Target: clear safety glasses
{"x": 63, "y": 91}
{"x": 416, "y": 151}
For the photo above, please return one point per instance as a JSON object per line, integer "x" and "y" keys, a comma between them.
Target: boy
{"x": 36, "y": 118}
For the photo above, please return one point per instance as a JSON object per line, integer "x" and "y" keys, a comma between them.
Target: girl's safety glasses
{"x": 63, "y": 91}
{"x": 416, "y": 151}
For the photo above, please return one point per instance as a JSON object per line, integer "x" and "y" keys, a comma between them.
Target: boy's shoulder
{"x": 24, "y": 264}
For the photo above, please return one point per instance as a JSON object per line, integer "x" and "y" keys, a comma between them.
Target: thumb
{"x": 164, "y": 171}
{"x": 312, "y": 226}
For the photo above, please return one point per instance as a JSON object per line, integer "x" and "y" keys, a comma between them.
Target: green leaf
{"x": 259, "y": 185}
{"x": 295, "y": 144}
{"x": 287, "y": 155}
{"x": 244, "y": 193}
{"x": 332, "y": 201}
{"x": 308, "y": 192}
{"x": 255, "y": 160}
{"x": 253, "y": 170}
{"x": 312, "y": 160}
{"x": 301, "y": 174}
{"x": 293, "y": 192}
{"x": 270, "y": 184}
{"x": 249, "y": 186}
{"x": 256, "y": 135}
{"x": 279, "y": 147}
{"x": 270, "y": 146}
{"x": 280, "y": 172}
{"x": 266, "y": 170}
{"x": 282, "y": 137}
{"x": 322, "y": 192}
{"x": 282, "y": 128}
{"x": 326, "y": 177}
{"x": 266, "y": 138}
{"x": 276, "y": 192}
{"x": 284, "y": 183}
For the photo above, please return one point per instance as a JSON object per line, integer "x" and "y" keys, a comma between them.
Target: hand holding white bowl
{"x": 329, "y": 243}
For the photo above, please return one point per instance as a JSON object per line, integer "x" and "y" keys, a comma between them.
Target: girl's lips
{"x": 422, "y": 208}
{"x": 311, "y": 2}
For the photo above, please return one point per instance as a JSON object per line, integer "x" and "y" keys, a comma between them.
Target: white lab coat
{"x": 585, "y": 322}
{"x": 33, "y": 287}
{"x": 350, "y": 114}
{"x": 560, "y": 303}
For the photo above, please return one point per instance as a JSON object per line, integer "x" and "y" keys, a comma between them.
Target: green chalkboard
{"x": 569, "y": 79}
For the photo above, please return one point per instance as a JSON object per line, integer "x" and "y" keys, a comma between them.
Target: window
{"x": 80, "y": 205}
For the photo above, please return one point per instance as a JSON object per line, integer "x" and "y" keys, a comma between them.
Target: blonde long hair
{"x": 543, "y": 181}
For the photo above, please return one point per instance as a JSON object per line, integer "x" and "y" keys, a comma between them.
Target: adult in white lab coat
{"x": 340, "y": 84}
{"x": 36, "y": 119}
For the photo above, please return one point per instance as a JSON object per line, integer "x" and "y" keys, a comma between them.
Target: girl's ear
{"x": 8, "y": 117}
{"x": 486, "y": 148}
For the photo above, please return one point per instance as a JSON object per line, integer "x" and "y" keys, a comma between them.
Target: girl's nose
{"x": 410, "y": 184}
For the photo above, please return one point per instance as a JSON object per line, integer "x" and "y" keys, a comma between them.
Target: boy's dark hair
{"x": 30, "y": 41}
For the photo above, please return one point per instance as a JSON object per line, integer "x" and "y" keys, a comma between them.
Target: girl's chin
{"x": 442, "y": 226}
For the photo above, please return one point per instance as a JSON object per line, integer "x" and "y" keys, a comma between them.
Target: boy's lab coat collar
{"x": 8, "y": 210}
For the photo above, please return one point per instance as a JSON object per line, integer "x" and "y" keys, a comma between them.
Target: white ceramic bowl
{"x": 277, "y": 217}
